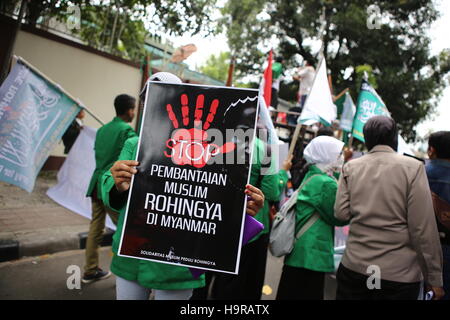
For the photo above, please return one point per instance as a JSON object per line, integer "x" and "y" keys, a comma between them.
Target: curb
{"x": 106, "y": 241}
{"x": 11, "y": 249}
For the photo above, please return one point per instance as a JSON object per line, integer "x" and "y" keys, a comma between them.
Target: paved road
{"x": 273, "y": 274}
{"x": 45, "y": 277}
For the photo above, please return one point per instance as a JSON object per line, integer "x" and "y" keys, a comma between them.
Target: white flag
{"x": 403, "y": 147}
{"x": 348, "y": 113}
{"x": 272, "y": 137}
{"x": 75, "y": 175}
{"x": 319, "y": 104}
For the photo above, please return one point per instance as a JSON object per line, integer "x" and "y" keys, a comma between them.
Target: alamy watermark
{"x": 373, "y": 17}
{"x": 74, "y": 280}
{"x": 374, "y": 280}
{"x": 73, "y": 20}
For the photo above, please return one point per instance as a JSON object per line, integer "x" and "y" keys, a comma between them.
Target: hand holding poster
{"x": 186, "y": 204}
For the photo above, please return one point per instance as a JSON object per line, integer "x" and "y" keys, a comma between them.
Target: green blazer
{"x": 149, "y": 274}
{"x": 109, "y": 141}
{"x": 271, "y": 185}
{"x": 168, "y": 277}
{"x": 315, "y": 248}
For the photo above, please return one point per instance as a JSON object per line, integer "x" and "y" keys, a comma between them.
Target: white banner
{"x": 75, "y": 175}
{"x": 403, "y": 147}
{"x": 319, "y": 103}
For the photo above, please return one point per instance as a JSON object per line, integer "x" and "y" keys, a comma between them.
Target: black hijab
{"x": 381, "y": 130}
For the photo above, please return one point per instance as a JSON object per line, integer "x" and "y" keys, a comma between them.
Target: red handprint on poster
{"x": 191, "y": 146}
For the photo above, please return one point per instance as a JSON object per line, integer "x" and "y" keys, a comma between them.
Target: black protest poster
{"x": 186, "y": 204}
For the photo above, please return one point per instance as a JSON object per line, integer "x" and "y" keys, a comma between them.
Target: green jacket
{"x": 277, "y": 70}
{"x": 109, "y": 141}
{"x": 149, "y": 274}
{"x": 271, "y": 185}
{"x": 315, "y": 248}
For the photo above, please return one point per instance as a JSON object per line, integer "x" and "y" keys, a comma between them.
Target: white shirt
{"x": 306, "y": 80}
{"x": 79, "y": 121}
{"x": 276, "y": 83}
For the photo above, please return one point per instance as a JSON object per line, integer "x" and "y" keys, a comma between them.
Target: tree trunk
{"x": 111, "y": 40}
{"x": 122, "y": 24}
{"x": 103, "y": 35}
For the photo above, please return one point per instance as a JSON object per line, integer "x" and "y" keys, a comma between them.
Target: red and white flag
{"x": 268, "y": 81}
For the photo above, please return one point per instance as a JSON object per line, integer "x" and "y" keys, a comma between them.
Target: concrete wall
{"x": 92, "y": 78}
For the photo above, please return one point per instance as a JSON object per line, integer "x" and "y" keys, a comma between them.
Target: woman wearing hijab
{"x": 303, "y": 275}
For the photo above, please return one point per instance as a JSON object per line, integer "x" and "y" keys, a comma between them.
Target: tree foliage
{"x": 243, "y": 29}
{"x": 409, "y": 79}
{"x": 121, "y": 26}
{"x": 216, "y": 66}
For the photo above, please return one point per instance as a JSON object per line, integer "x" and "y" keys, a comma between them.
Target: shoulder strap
{"x": 307, "y": 225}
{"x": 293, "y": 199}
{"x": 311, "y": 219}
{"x": 306, "y": 181}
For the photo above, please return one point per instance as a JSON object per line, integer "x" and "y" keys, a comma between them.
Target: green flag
{"x": 340, "y": 105}
{"x": 369, "y": 104}
{"x": 348, "y": 113}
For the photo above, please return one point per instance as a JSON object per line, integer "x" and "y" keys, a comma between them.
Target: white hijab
{"x": 324, "y": 152}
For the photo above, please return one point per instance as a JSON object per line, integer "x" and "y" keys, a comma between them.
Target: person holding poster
{"x": 303, "y": 276}
{"x": 137, "y": 277}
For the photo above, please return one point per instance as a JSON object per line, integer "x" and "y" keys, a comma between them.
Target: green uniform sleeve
{"x": 321, "y": 195}
{"x": 130, "y": 133}
{"x": 277, "y": 69}
{"x": 273, "y": 185}
{"x": 110, "y": 196}
{"x": 126, "y": 134}
{"x": 326, "y": 206}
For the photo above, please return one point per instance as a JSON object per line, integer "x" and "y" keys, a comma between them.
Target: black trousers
{"x": 300, "y": 284}
{"x": 274, "y": 98}
{"x": 247, "y": 285}
{"x": 353, "y": 286}
{"x": 202, "y": 293}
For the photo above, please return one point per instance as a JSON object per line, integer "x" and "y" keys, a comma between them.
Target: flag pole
{"x": 350, "y": 141}
{"x": 341, "y": 94}
{"x": 294, "y": 139}
{"x": 77, "y": 101}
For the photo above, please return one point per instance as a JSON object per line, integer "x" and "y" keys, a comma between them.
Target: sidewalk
{"x": 32, "y": 224}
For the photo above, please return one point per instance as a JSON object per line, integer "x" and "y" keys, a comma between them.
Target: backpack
{"x": 282, "y": 235}
{"x": 442, "y": 210}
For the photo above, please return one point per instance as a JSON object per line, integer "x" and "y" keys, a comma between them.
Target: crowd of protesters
{"x": 396, "y": 225}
